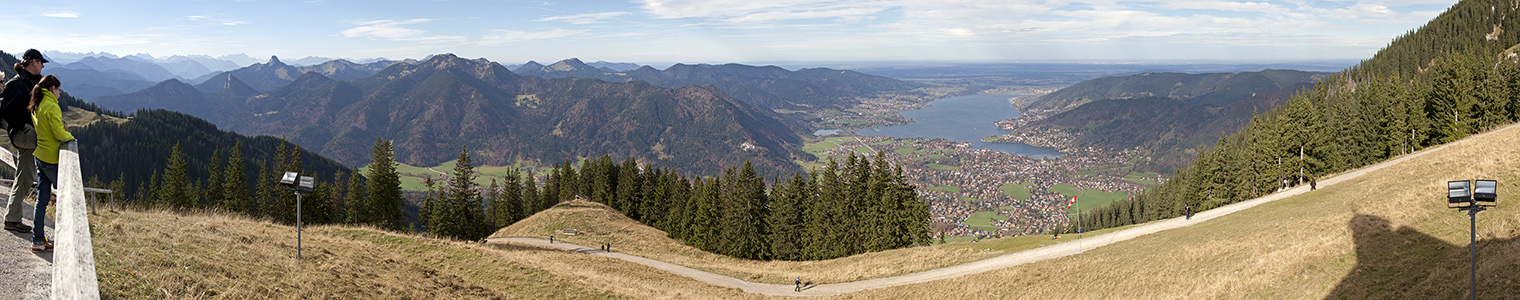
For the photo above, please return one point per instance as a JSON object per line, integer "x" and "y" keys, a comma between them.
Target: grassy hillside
{"x": 1386, "y": 235}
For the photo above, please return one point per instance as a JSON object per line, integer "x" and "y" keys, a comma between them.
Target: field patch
{"x": 1018, "y": 190}
{"x": 1088, "y": 199}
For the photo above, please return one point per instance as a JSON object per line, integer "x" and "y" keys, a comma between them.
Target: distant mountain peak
{"x": 275, "y": 61}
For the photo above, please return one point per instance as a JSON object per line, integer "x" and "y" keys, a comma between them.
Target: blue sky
{"x": 646, "y": 31}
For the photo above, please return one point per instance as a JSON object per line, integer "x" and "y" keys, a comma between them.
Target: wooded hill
{"x": 1171, "y": 129}
{"x": 768, "y": 86}
{"x": 136, "y": 159}
{"x": 447, "y": 102}
{"x": 1453, "y": 77}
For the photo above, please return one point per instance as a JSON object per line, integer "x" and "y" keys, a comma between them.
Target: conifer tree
{"x": 234, "y": 186}
{"x": 354, "y": 199}
{"x": 173, "y": 191}
{"x": 383, "y": 205}
{"x": 213, "y": 187}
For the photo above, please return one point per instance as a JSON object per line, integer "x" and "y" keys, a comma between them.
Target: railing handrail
{"x": 74, "y": 255}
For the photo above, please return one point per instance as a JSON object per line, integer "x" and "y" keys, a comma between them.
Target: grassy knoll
{"x": 948, "y": 189}
{"x": 1089, "y": 199}
{"x": 1385, "y": 235}
{"x": 1018, "y": 190}
{"x": 982, "y": 220}
{"x": 603, "y": 225}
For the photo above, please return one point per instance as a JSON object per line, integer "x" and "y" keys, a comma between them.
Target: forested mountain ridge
{"x": 768, "y": 86}
{"x": 447, "y": 102}
{"x": 1211, "y": 89}
{"x": 1449, "y": 79}
{"x": 1171, "y": 129}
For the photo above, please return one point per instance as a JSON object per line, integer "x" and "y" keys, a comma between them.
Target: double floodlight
{"x": 293, "y": 181}
{"x": 1463, "y": 193}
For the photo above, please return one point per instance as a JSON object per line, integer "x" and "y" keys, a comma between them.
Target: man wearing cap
{"x": 14, "y": 116}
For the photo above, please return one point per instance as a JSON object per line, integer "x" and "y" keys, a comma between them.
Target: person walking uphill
{"x": 17, "y": 121}
{"x": 51, "y": 135}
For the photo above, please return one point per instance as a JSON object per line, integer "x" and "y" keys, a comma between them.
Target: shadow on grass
{"x": 1404, "y": 263}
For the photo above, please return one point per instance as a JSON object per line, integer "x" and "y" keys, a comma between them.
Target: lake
{"x": 962, "y": 119}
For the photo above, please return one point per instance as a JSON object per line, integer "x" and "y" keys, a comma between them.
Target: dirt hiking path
{"x": 1063, "y": 249}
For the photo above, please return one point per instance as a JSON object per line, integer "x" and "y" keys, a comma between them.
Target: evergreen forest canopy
{"x": 859, "y": 207}
{"x": 1455, "y": 76}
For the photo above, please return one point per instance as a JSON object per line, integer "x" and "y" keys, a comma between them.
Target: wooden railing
{"x": 73, "y": 254}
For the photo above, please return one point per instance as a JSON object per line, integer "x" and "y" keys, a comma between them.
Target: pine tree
{"x": 355, "y": 199}
{"x": 176, "y": 182}
{"x": 213, "y": 187}
{"x": 383, "y": 206}
{"x": 235, "y": 187}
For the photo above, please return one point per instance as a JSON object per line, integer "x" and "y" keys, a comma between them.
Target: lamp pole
{"x": 1472, "y": 248}
{"x": 298, "y": 226}
{"x": 1472, "y": 197}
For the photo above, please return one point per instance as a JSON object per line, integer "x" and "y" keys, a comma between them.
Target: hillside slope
{"x": 1397, "y": 242}
{"x": 1384, "y": 235}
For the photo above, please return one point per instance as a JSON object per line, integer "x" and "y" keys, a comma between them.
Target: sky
{"x": 717, "y": 31}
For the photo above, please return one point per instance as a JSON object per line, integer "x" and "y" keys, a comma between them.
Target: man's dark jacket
{"x": 14, "y": 99}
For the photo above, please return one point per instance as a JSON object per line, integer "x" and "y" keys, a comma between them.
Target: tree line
{"x": 859, "y": 207}
{"x": 1437, "y": 85}
{"x": 226, "y": 188}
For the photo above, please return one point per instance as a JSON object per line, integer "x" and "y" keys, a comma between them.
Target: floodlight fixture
{"x": 1458, "y": 193}
{"x": 307, "y": 184}
{"x": 289, "y": 179}
{"x": 1486, "y": 191}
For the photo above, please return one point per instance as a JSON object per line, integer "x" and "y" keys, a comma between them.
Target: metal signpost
{"x": 1472, "y": 197}
{"x": 300, "y": 185}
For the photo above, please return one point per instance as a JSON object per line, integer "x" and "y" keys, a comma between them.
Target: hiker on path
{"x": 798, "y": 283}
{"x": 1313, "y": 184}
{"x": 50, "y": 137}
{"x": 1187, "y": 210}
{"x": 15, "y": 118}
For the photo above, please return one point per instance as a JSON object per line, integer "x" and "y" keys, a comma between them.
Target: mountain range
{"x": 769, "y": 86}
{"x": 429, "y": 108}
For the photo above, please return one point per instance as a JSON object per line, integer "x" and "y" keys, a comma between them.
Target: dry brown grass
{"x": 1386, "y": 235}
{"x": 158, "y": 254}
{"x": 600, "y": 224}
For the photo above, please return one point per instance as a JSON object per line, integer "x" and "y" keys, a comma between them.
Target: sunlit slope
{"x": 598, "y": 224}
{"x": 1384, "y": 235}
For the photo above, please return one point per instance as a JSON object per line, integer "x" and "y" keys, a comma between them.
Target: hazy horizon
{"x": 660, "y": 31}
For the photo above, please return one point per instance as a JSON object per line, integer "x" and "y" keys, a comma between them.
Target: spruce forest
{"x": 1457, "y": 76}
{"x": 864, "y": 205}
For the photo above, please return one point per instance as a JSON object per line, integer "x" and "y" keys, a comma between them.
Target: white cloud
{"x": 61, "y": 14}
{"x": 392, "y": 30}
{"x": 503, "y": 36}
{"x": 749, "y": 11}
{"x": 197, "y": 18}
{"x": 234, "y": 23}
{"x": 583, "y": 19}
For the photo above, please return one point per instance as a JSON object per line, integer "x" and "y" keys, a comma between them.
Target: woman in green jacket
{"x": 48, "y": 119}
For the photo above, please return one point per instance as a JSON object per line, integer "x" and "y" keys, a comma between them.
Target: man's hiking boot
{"x": 18, "y": 227}
{"x": 43, "y": 246}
